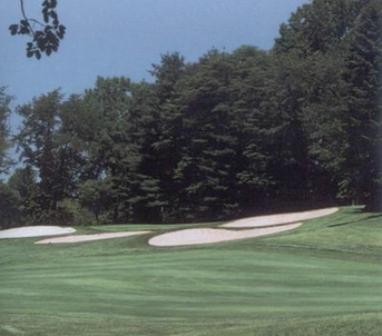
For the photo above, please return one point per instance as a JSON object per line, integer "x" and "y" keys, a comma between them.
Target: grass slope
{"x": 325, "y": 278}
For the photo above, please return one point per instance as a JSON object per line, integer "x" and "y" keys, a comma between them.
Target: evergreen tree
{"x": 254, "y": 126}
{"x": 166, "y": 146}
{"x": 362, "y": 77}
{"x": 135, "y": 173}
{"x": 206, "y": 168}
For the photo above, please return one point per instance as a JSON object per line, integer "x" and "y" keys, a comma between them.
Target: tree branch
{"x": 25, "y": 16}
{"x": 45, "y": 37}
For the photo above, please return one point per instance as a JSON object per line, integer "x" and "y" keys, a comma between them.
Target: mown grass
{"x": 324, "y": 278}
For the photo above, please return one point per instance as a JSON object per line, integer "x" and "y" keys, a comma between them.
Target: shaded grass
{"x": 321, "y": 279}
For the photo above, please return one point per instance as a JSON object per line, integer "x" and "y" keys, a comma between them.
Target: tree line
{"x": 228, "y": 135}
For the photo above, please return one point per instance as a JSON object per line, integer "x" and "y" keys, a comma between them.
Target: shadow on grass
{"x": 357, "y": 220}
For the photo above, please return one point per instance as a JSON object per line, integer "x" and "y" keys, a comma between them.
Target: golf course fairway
{"x": 323, "y": 278}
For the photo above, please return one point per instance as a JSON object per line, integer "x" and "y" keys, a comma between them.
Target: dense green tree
{"x": 136, "y": 174}
{"x": 318, "y": 27}
{"x": 313, "y": 49}
{"x": 111, "y": 152}
{"x": 255, "y": 125}
{"x": 223, "y": 140}
{"x": 362, "y": 78}
{"x": 204, "y": 136}
{"x": 9, "y": 207}
{"x": 322, "y": 117}
{"x": 94, "y": 195}
{"x": 164, "y": 147}
{"x": 232, "y": 133}
{"x": 4, "y": 130}
{"x": 41, "y": 150}
{"x": 23, "y": 182}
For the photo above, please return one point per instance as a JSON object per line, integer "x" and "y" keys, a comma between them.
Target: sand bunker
{"x": 89, "y": 237}
{"x": 35, "y": 231}
{"x": 272, "y": 220}
{"x": 208, "y": 236}
{"x": 261, "y": 226}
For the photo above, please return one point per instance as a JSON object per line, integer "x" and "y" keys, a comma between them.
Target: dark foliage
{"x": 45, "y": 35}
{"x": 229, "y": 135}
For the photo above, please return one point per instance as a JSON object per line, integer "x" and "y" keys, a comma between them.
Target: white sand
{"x": 35, "y": 231}
{"x": 208, "y": 236}
{"x": 89, "y": 237}
{"x": 279, "y": 219}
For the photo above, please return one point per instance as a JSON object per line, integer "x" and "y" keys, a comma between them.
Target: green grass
{"x": 324, "y": 278}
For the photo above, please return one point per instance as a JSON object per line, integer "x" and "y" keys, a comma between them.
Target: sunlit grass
{"x": 325, "y": 278}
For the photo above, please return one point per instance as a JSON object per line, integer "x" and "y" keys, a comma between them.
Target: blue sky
{"x": 124, "y": 37}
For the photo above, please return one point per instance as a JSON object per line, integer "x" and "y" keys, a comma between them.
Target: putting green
{"x": 324, "y": 278}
